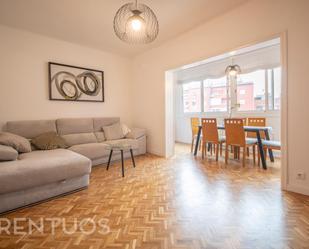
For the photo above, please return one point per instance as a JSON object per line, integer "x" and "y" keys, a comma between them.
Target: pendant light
{"x": 232, "y": 70}
{"x": 136, "y": 23}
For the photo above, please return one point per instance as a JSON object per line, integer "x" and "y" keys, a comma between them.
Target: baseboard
{"x": 155, "y": 152}
{"x": 297, "y": 189}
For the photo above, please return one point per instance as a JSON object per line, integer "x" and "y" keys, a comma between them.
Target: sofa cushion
{"x": 100, "y": 136}
{"x": 98, "y": 123}
{"x": 74, "y": 125}
{"x": 136, "y": 133}
{"x": 40, "y": 168}
{"x": 31, "y": 128}
{"x": 113, "y": 132}
{"x": 49, "y": 141}
{"x": 79, "y": 138}
{"x": 91, "y": 150}
{"x": 19, "y": 143}
{"x": 132, "y": 142}
{"x": 7, "y": 153}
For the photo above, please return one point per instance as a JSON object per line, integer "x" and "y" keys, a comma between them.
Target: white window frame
{"x": 201, "y": 95}
{"x": 232, "y": 102}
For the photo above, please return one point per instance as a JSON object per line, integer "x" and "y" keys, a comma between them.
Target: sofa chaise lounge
{"x": 42, "y": 174}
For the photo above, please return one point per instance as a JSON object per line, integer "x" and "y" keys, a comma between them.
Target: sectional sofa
{"x": 42, "y": 174}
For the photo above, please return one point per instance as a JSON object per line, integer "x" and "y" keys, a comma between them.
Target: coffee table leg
{"x": 122, "y": 163}
{"x": 109, "y": 159}
{"x": 131, "y": 151}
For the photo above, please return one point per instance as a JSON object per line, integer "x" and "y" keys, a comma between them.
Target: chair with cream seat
{"x": 269, "y": 145}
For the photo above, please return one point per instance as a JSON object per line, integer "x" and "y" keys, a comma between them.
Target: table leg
{"x": 122, "y": 163}
{"x": 132, "y": 157}
{"x": 270, "y": 151}
{"x": 260, "y": 145}
{"x": 197, "y": 140}
{"x": 109, "y": 159}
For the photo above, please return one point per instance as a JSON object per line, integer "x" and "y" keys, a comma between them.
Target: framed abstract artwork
{"x": 71, "y": 83}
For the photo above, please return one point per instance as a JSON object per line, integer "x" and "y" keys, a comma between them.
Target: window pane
{"x": 270, "y": 77}
{"x": 251, "y": 91}
{"x": 192, "y": 96}
{"x": 277, "y": 88}
{"x": 274, "y": 88}
{"x": 215, "y": 95}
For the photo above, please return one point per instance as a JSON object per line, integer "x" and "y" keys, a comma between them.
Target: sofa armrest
{"x": 136, "y": 133}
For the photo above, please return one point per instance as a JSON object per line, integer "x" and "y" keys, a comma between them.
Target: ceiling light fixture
{"x": 232, "y": 70}
{"x": 136, "y": 23}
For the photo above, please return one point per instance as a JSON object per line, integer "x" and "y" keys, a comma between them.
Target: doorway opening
{"x": 205, "y": 89}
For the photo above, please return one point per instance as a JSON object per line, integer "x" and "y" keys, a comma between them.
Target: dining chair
{"x": 269, "y": 145}
{"x": 235, "y": 136}
{"x": 211, "y": 136}
{"x": 255, "y": 121}
{"x": 235, "y": 149}
{"x": 195, "y": 122}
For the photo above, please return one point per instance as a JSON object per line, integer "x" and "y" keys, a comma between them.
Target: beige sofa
{"x": 39, "y": 175}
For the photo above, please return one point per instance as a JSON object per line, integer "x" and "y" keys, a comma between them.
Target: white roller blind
{"x": 263, "y": 58}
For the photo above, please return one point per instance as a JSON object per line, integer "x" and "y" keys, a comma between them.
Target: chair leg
{"x": 226, "y": 154}
{"x": 203, "y": 150}
{"x": 220, "y": 149}
{"x": 217, "y": 152}
{"x": 200, "y": 145}
{"x": 244, "y": 155}
{"x": 248, "y": 152}
{"x": 192, "y": 143}
{"x": 259, "y": 158}
{"x": 235, "y": 152}
{"x": 253, "y": 148}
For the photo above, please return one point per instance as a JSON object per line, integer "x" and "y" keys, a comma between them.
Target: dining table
{"x": 257, "y": 129}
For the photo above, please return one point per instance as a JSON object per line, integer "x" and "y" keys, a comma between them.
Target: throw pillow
{"x": 125, "y": 129}
{"x": 19, "y": 143}
{"x": 113, "y": 132}
{"x": 7, "y": 153}
{"x": 49, "y": 141}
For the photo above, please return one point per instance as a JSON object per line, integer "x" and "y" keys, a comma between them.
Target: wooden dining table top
{"x": 247, "y": 128}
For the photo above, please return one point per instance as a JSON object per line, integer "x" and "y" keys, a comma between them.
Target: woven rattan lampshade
{"x": 136, "y": 23}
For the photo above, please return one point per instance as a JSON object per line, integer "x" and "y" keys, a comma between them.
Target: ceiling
{"x": 90, "y": 22}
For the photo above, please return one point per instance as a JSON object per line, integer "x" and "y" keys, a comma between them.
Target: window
{"x": 215, "y": 95}
{"x": 242, "y": 91}
{"x": 253, "y": 85}
{"x": 274, "y": 88}
{"x": 192, "y": 96}
{"x": 259, "y": 90}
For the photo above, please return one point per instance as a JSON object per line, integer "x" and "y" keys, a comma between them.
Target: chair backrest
{"x": 210, "y": 130}
{"x": 244, "y": 120}
{"x": 234, "y": 132}
{"x": 256, "y": 122}
{"x": 195, "y": 122}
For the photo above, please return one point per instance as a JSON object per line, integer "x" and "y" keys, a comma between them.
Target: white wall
{"x": 254, "y": 21}
{"x": 24, "y": 78}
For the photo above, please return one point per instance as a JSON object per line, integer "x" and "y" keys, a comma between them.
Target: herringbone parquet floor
{"x": 176, "y": 203}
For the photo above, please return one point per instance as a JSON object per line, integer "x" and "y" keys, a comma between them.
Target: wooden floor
{"x": 177, "y": 203}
